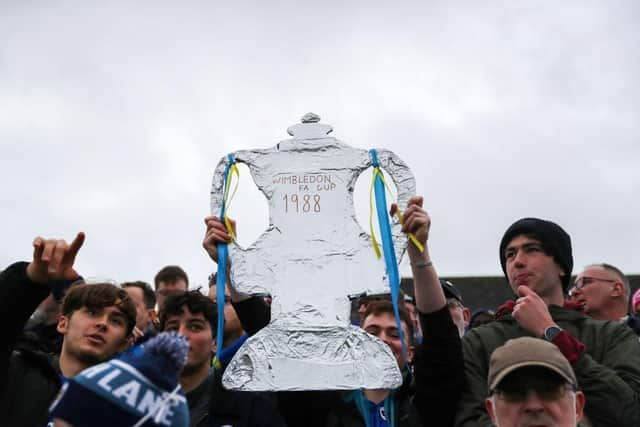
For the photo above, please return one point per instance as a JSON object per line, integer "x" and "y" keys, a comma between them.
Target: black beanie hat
{"x": 555, "y": 242}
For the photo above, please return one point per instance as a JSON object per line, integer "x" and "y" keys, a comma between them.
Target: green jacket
{"x": 608, "y": 372}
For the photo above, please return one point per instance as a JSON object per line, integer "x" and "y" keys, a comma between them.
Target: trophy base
{"x": 279, "y": 358}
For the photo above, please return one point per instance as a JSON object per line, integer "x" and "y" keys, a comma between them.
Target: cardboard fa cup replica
{"x": 313, "y": 255}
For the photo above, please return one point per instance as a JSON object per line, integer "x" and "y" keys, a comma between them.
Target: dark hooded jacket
{"x": 29, "y": 380}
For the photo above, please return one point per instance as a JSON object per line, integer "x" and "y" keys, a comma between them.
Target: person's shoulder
{"x": 633, "y": 321}
{"x": 616, "y": 328}
{"x": 478, "y": 343}
{"x": 567, "y": 313}
{"x": 33, "y": 380}
{"x": 25, "y": 359}
{"x": 497, "y": 328}
{"x": 604, "y": 326}
{"x": 600, "y": 334}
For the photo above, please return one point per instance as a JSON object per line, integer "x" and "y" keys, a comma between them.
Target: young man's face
{"x": 528, "y": 265}
{"x": 197, "y": 330}
{"x": 143, "y": 314}
{"x": 384, "y": 326}
{"x": 165, "y": 288}
{"x": 93, "y": 335}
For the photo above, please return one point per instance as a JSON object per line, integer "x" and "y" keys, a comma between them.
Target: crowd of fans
{"x": 562, "y": 352}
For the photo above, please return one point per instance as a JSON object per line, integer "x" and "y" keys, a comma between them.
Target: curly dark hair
{"x": 195, "y": 302}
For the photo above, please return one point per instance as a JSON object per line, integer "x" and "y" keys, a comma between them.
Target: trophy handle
{"x": 236, "y": 251}
{"x": 217, "y": 186}
{"x": 248, "y": 158}
{"x": 405, "y": 182}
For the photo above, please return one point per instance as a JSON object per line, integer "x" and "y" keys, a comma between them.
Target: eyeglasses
{"x": 517, "y": 391}
{"x": 547, "y": 395}
{"x": 585, "y": 280}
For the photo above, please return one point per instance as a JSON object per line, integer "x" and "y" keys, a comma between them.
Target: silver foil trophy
{"x": 311, "y": 258}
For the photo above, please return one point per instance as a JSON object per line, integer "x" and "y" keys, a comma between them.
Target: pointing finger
{"x": 74, "y": 248}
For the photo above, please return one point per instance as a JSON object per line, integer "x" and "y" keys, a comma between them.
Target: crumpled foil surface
{"x": 311, "y": 258}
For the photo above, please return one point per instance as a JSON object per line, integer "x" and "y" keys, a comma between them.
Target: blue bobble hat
{"x": 140, "y": 388}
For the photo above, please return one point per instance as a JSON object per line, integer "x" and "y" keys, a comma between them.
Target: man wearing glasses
{"x": 532, "y": 383}
{"x": 603, "y": 292}
{"x": 537, "y": 259}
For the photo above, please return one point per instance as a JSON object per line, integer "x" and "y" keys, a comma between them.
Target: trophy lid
{"x": 309, "y": 128}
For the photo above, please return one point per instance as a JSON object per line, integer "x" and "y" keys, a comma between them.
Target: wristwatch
{"x": 551, "y": 332}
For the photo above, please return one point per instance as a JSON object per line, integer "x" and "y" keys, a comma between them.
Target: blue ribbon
{"x": 223, "y": 255}
{"x": 369, "y": 410}
{"x": 387, "y": 246}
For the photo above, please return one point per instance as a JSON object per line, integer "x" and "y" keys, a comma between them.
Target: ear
{"x": 214, "y": 346}
{"x": 488, "y": 403}
{"x": 152, "y": 315}
{"x": 63, "y": 324}
{"x": 561, "y": 272}
{"x": 617, "y": 290}
{"x": 579, "y": 405}
{"x": 411, "y": 351}
{"x": 466, "y": 315}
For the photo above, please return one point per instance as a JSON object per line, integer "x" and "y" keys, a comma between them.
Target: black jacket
{"x": 210, "y": 405}
{"x": 29, "y": 380}
{"x": 241, "y": 408}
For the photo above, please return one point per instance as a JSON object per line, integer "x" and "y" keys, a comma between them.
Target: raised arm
{"x": 438, "y": 364}
{"x": 24, "y": 286}
{"x": 252, "y": 311}
{"x": 428, "y": 292}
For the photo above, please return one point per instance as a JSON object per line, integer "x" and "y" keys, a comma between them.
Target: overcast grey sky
{"x": 113, "y": 116}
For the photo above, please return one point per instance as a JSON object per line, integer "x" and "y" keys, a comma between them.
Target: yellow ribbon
{"x": 216, "y": 363}
{"x": 233, "y": 169}
{"x": 376, "y": 245}
{"x": 412, "y": 237}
